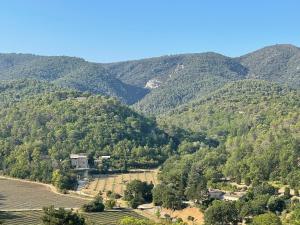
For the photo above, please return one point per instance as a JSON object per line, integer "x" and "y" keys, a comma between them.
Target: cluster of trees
{"x": 96, "y": 205}
{"x": 138, "y": 192}
{"x": 261, "y": 205}
{"x": 17, "y": 90}
{"x": 64, "y": 180}
{"x": 187, "y": 177}
{"x": 61, "y": 216}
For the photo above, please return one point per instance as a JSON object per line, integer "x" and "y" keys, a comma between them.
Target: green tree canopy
{"x": 221, "y": 213}
{"x": 138, "y": 192}
{"x": 61, "y": 216}
{"x": 267, "y": 219}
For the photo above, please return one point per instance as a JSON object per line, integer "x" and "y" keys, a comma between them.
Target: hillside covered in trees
{"x": 42, "y": 124}
{"x": 38, "y": 134}
{"x": 68, "y": 72}
{"x": 257, "y": 124}
{"x": 156, "y": 85}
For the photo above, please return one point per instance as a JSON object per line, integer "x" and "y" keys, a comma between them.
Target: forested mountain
{"x": 38, "y": 133}
{"x": 257, "y": 124}
{"x": 196, "y": 76}
{"x": 279, "y": 63}
{"x": 159, "y": 84}
{"x": 68, "y": 72}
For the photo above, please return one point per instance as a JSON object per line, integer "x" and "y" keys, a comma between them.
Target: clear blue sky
{"x": 114, "y": 30}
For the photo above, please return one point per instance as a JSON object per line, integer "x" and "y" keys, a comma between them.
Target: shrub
{"x": 95, "y": 206}
{"x": 61, "y": 216}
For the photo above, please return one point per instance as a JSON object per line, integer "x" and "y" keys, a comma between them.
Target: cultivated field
{"x": 117, "y": 182}
{"x": 15, "y": 195}
{"x": 34, "y": 217}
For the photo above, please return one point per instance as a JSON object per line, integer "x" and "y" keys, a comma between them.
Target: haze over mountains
{"x": 156, "y": 85}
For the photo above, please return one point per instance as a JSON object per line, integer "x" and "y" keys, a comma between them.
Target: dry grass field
{"x": 15, "y": 195}
{"x": 117, "y": 182}
{"x": 21, "y": 201}
{"x": 34, "y": 217}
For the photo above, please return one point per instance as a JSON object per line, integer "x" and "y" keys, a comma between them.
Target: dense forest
{"x": 41, "y": 131}
{"x": 257, "y": 124}
{"x": 17, "y": 90}
{"x": 42, "y": 124}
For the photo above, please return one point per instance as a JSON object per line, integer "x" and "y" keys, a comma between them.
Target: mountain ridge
{"x": 156, "y": 85}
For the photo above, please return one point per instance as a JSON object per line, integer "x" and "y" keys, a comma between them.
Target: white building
{"x": 79, "y": 161}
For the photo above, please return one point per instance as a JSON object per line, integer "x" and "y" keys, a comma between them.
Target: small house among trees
{"x": 79, "y": 161}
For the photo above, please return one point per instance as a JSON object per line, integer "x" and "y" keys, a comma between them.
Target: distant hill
{"x": 279, "y": 63}
{"x": 156, "y": 85}
{"x": 194, "y": 76}
{"x": 68, "y": 72}
{"x": 199, "y": 74}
